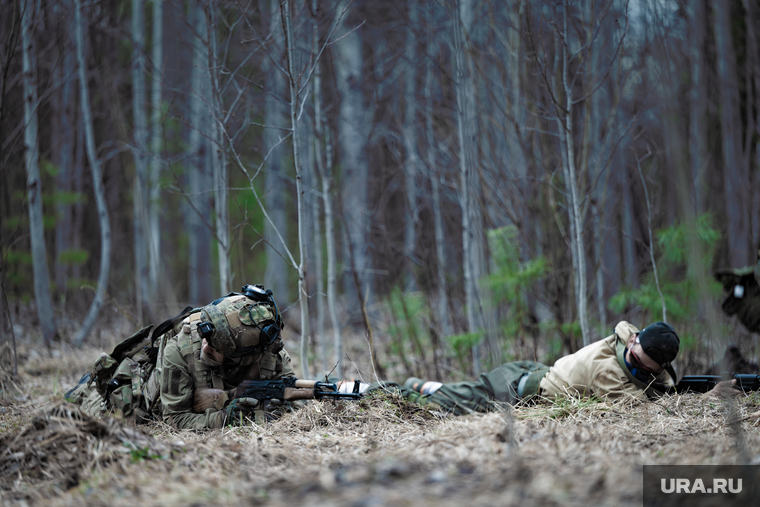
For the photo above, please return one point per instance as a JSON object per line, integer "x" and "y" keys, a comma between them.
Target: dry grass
{"x": 379, "y": 451}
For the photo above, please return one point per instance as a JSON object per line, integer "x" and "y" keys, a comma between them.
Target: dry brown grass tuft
{"x": 378, "y": 451}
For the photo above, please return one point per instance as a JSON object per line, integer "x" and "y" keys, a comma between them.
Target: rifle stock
{"x": 289, "y": 389}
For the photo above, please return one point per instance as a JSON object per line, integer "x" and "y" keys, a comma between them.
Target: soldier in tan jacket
{"x": 627, "y": 364}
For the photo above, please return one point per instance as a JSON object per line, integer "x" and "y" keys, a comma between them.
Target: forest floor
{"x": 379, "y": 451}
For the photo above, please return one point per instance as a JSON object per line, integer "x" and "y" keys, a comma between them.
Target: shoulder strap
{"x": 168, "y": 324}
{"x": 126, "y": 345}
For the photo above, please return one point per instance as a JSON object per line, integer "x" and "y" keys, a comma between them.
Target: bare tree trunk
{"x": 219, "y": 159}
{"x": 324, "y": 167}
{"x": 198, "y": 215}
{"x": 77, "y": 224}
{"x": 276, "y": 276}
{"x": 440, "y": 253}
{"x": 410, "y": 146}
{"x": 353, "y": 136}
{"x": 317, "y": 172}
{"x": 33, "y": 182}
{"x": 465, "y": 128}
{"x": 97, "y": 179}
{"x": 629, "y": 236}
{"x": 293, "y": 82}
{"x": 139, "y": 150}
{"x": 578, "y": 243}
{"x": 591, "y": 164}
{"x": 65, "y": 162}
{"x": 751, "y": 10}
{"x": 154, "y": 220}
{"x": 736, "y": 176}
{"x": 697, "y": 101}
{"x": 318, "y": 264}
{"x": 7, "y": 336}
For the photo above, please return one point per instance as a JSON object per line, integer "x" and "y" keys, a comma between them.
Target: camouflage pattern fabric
{"x": 130, "y": 366}
{"x": 182, "y": 371}
{"x": 743, "y": 294}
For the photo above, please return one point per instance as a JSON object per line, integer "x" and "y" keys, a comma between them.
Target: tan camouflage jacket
{"x": 597, "y": 369}
{"x": 182, "y": 372}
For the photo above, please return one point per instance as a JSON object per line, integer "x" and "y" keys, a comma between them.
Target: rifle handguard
{"x": 264, "y": 390}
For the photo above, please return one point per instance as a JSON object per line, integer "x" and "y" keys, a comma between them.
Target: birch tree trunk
{"x": 565, "y": 128}
{"x": 736, "y": 176}
{"x": 154, "y": 237}
{"x": 465, "y": 127}
{"x": 97, "y": 179}
{"x": 219, "y": 159}
{"x": 324, "y": 167}
{"x": 315, "y": 154}
{"x": 318, "y": 264}
{"x": 410, "y": 146}
{"x": 276, "y": 276}
{"x": 198, "y": 215}
{"x": 294, "y": 102}
{"x": 139, "y": 150}
{"x": 591, "y": 164}
{"x": 42, "y": 297}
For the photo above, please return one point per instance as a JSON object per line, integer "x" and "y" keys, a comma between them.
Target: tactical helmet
{"x": 237, "y": 326}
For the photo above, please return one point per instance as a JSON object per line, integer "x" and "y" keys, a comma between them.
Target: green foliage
{"x": 510, "y": 281}
{"x": 140, "y": 454}
{"x": 73, "y": 256}
{"x": 14, "y": 222}
{"x": 49, "y": 168}
{"x": 462, "y": 344}
{"x": 407, "y": 317}
{"x": 678, "y": 280}
{"x": 124, "y": 55}
{"x": 69, "y": 198}
{"x": 18, "y": 273}
{"x": 16, "y": 257}
{"x": 674, "y": 245}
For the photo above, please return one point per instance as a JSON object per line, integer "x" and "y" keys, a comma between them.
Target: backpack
{"x": 126, "y": 382}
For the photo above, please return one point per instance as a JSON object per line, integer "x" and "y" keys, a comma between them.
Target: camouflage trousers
{"x": 485, "y": 394}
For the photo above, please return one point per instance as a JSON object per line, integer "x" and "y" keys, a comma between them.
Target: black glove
{"x": 239, "y": 410}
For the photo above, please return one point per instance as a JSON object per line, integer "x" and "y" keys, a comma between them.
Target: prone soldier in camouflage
{"x": 235, "y": 338}
{"x": 743, "y": 288}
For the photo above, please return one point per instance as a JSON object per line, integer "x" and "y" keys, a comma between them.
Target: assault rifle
{"x": 287, "y": 389}
{"x": 703, "y": 383}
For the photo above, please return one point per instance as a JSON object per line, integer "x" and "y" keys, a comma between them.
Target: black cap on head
{"x": 660, "y": 342}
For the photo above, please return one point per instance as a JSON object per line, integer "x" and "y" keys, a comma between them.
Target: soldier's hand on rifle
{"x": 239, "y": 410}
{"x": 725, "y": 389}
